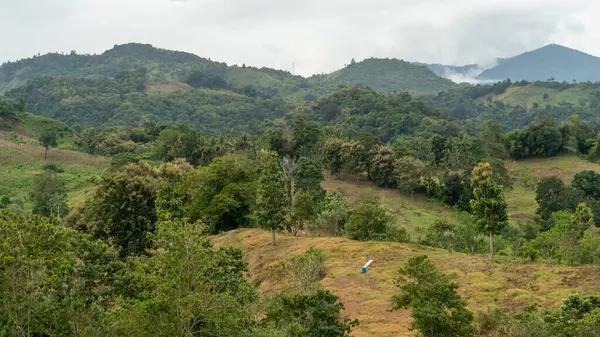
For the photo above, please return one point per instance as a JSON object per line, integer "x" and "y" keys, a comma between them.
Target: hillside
{"x": 550, "y": 62}
{"x": 21, "y": 158}
{"x": 128, "y": 100}
{"x": 508, "y": 284}
{"x": 389, "y": 75}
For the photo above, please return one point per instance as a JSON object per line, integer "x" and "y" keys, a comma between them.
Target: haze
{"x": 318, "y": 35}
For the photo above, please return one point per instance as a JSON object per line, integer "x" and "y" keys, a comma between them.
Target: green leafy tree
{"x": 49, "y": 195}
{"x": 316, "y": 314}
{"x": 191, "y": 288}
{"x": 123, "y": 209}
{"x": 367, "y": 221}
{"x": 408, "y": 172}
{"x": 335, "y": 214}
{"x": 589, "y": 183}
{"x": 332, "y": 155}
{"x": 304, "y": 210}
{"x": 382, "y": 167}
{"x": 436, "y": 308}
{"x": 489, "y": 210}
{"x": 48, "y": 139}
{"x": 552, "y": 195}
{"x": 80, "y": 277}
{"x": 353, "y": 157}
{"x": 222, "y": 194}
{"x": 169, "y": 201}
{"x": 272, "y": 198}
{"x": 309, "y": 178}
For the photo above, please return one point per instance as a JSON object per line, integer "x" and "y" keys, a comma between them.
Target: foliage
{"x": 49, "y": 195}
{"x": 367, "y": 221}
{"x": 53, "y": 280}
{"x": 316, "y": 314}
{"x": 489, "y": 210}
{"x": 222, "y": 194}
{"x": 436, "y": 308}
{"x": 408, "y": 172}
{"x": 122, "y": 209}
{"x": 589, "y": 183}
{"x": 271, "y": 202}
{"x": 334, "y": 215}
{"x": 304, "y": 272}
{"x": 553, "y": 195}
{"x": 382, "y": 167}
{"x": 303, "y": 211}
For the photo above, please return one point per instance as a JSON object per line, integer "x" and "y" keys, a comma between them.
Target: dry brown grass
{"x": 165, "y": 87}
{"x": 62, "y": 157}
{"x": 508, "y": 284}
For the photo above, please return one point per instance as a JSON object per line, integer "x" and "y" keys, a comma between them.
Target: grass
{"x": 507, "y": 284}
{"x": 414, "y": 213}
{"x": 20, "y": 162}
{"x": 532, "y": 93}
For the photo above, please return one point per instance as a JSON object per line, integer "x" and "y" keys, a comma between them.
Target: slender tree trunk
{"x": 491, "y": 246}
{"x": 273, "y": 235}
{"x": 46, "y": 154}
{"x": 491, "y": 224}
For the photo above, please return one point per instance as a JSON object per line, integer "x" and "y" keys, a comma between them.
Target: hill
{"x": 21, "y": 158}
{"x": 127, "y": 99}
{"x": 389, "y": 75}
{"x": 550, "y": 62}
{"x": 509, "y": 284}
{"x": 166, "y": 65}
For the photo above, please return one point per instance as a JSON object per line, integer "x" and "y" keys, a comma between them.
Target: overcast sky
{"x": 318, "y": 35}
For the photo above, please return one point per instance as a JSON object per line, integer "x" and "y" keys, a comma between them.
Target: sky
{"x": 318, "y": 36}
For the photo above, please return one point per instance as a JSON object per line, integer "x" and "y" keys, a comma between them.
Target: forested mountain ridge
{"x": 389, "y": 75}
{"x": 381, "y": 74}
{"x": 553, "y": 62}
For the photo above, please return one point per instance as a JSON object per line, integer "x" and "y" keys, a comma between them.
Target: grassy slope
{"x": 21, "y": 158}
{"x": 531, "y": 93}
{"x": 508, "y": 284}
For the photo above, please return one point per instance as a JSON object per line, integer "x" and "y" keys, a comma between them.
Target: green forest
{"x": 131, "y": 182}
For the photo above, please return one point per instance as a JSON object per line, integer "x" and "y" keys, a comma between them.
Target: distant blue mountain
{"x": 550, "y": 62}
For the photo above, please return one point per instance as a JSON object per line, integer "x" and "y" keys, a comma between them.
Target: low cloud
{"x": 318, "y": 35}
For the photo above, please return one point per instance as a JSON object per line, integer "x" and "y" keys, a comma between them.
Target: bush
{"x": 304, "y": 272}
{"x": 368, "y": 221}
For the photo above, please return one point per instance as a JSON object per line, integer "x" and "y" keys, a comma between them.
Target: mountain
{"x": 175, "y": 66}
{"x": 389, "y": 75}
{"x": 550, "y": 62}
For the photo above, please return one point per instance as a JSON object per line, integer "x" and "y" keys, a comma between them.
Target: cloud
{"x": 318, "y": 35}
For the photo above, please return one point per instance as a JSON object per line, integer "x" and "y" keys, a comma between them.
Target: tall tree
{"x": 272, "y": 197}
{"x": 382, "y": 167}
{"x": 48, "y": 139}
{"x": 49, "y": 195}
{"x": 122, "y": 208}
{"x": 408, "y": 172}
{"x": 437, "y": 310}
{"x": 489, "y": 210}
{"x": 332, "y": 155}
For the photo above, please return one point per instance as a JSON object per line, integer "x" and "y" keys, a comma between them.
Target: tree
{"x": 436, "y": 308}
{"x": 482, "y": 174}
{"x": 222, "y": 194}
{"x": 589, "y": 183}
{"x": 367, "y": 221}
{"x": 48, "y": 139}
{"x": 552, "y": 195}
{"x": 309, "y": 178}
{"x": 122, "y": 208}
{"x": 192, "y": 288}
{"x": 382, "y": 167}
{"x": 335, "y": 214}
{"x": 315, "y": 315}
{"x": 489, "y": 210}
{"x": 304, "y": 210}
{"x": 408, "y": 172}
{"x": 354, "y": 157}
{"x": 272, "y": 197}
{"x": 49, "y": 195}
{"x": 332, "y": 155}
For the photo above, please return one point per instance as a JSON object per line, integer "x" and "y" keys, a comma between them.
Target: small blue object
{"x": 364, "y": 268}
